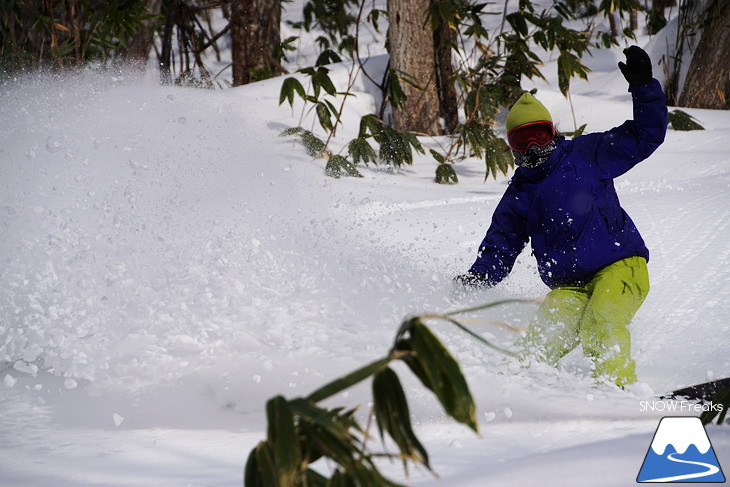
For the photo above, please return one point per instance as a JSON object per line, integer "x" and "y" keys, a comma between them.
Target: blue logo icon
{"x": 681, "y": 452}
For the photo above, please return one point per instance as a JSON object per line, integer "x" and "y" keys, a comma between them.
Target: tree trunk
{"x": 444, "y": 39}
{"x": 708, "y": 81}
{"x": 412, "y": 52}
{"x": 634, "y": 20}
{"x": 613, "y": 25}
{"x": 255, "y": 34}
{"x": 138, "y": 50}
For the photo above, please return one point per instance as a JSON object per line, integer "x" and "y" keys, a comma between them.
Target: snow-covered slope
{"x": 169, "y": 263}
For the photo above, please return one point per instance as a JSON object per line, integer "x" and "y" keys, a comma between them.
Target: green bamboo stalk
{"x": 486, "y": 342}
{"x": 492, "y": 305}
{"x": 355, "y": 377}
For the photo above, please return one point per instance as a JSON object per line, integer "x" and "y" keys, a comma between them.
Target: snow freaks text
{"x": 679, "y": 407}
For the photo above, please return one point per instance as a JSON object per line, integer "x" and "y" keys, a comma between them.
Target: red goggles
{"x": 538, "y": 133}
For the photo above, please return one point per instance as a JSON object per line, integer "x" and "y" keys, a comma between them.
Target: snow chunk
{"x": 53, "y": 144}
{"x": 9, "y": 381}
{"x": 26, "y": 368}
{"x": 32, "y": 352}
{"x": 118, "y": 419}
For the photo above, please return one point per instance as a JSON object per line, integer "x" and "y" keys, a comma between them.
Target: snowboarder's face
{"x": 534, "y": 156}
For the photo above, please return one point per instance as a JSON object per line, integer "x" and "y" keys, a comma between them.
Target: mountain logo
{"x": 680, "y": 452}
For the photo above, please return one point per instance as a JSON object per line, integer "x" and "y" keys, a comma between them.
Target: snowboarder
{"x": 589, "y": 252}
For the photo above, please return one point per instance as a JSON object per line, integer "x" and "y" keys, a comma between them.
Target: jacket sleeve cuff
{"x": 643, "y": 92}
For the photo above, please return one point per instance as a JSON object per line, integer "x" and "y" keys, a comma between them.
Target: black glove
{"x": 637, "y": 69}
{"x": 473, "y": 280}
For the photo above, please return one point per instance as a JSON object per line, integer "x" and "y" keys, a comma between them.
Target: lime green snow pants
{"x": 597, "y": 316}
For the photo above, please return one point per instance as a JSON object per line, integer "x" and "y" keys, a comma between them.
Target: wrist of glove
{"x": 473, "y": 280}
{"x": 637, "y": 69}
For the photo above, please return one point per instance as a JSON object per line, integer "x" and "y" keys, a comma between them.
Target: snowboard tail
{"x": 703, "y": 392}
{"x": 716, "y": 392}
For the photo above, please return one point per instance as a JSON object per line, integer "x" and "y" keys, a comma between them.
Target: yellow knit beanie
{"x": 528, "y": 109}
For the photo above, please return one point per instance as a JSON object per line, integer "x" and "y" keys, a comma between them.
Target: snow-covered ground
{"x": 169, "y": 263}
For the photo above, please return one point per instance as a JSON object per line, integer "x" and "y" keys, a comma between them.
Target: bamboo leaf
{"x": 564, "y": 73}
{"x": 340, "y": 479}
{"x": 289, "y": 87}
{"x": 438, "y": 156}
{"x": 360, "y": 150}
{"x": 252, "y": 476}
{"x": 439, "y": 371}
{"x": 324, "y": 81}
{"x": 445, "y": 174}
{"x": 320, "y": 442}
{"x": 396, "y": 95}
{"x": 328, "y": 56}
{"x": 355, "y": 377}
{"x": 405, "y": 328}
{"x": 393, "y": 416}
{"x": 337, "y": 420}
{"x": 282, "y": 438}
{"x": 265, "y": 463}
{"x": 324, "y": 116}
{"x": 348, "y": 44}
{"x": 578, "y": 132}
{"x": 338, "y": 166}
{"x": 326, "y": 433}
{"x": 314, "y": 478}
{"x": 395, "y": 147}
{"x": 284, "y": 46}
{"x": 412, "y": 140}
{"x": 374, "y": 18}
{"x": 314, "y": 146}
{"x": 491, "y": 164}
{"x": 518, "y": 23}
{"x": 420, "y": 361}
{"x": 331, "y": 108}
{"x": 290, "y": 131}
{"x": 331, "y": 443}
{"x": 568, "y": 66}
{"x": 370, "y": 123}
{"x": 497, "y": 156}
{"x": 680, "y": 120}
{"x": 367, "y": 474}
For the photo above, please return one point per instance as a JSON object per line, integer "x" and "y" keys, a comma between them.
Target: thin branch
{"x": 212, "y": 40}
{"x": 351, "y": 77}
{"x": 493, "y": 304}
{"x": 473, "y": 334}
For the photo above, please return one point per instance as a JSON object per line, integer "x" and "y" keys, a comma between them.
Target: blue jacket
{"x": 568, "y": 207}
